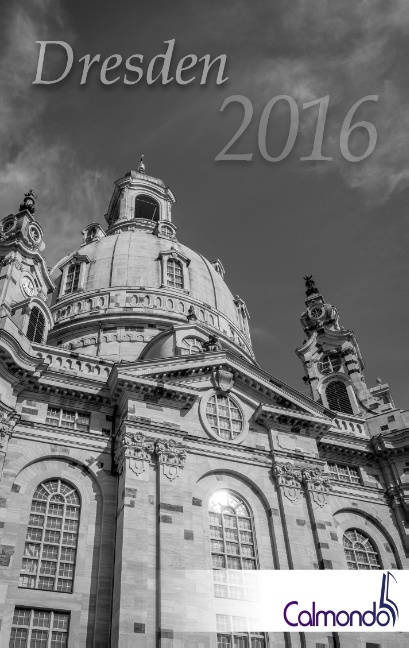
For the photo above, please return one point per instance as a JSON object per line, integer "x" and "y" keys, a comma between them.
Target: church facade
{"x": 141, "y": 442}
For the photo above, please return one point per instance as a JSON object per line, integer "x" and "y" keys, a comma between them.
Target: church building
{"x": 141, "y": 442}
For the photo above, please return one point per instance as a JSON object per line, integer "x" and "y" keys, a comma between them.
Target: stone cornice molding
{"x": 243, "y": 371}
{"x": 120, "y": 382}
{"x": 270, "y": 416}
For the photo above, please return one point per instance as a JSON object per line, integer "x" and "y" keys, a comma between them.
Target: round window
{"x": 224, "y": 417}
{"x": 191, "y": 345}
{"x": 329, "y": 363}
{"x": 315, "y": 313}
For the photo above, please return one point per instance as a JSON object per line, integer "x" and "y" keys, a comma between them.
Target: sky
{"x": 270, "y": 223}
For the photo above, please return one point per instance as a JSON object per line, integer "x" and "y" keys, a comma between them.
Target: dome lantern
{"x": 139, "y": 201}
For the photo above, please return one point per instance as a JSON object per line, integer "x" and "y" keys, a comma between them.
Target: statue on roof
{"x": 29, "y": 202}
{"x": 311, "y": 288}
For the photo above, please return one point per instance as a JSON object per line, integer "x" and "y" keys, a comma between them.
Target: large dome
{"x": 125, "y": 286}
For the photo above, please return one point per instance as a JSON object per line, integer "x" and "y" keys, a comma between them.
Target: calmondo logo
{"x": 383, "y": 613}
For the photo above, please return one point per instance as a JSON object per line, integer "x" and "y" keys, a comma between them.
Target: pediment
{"x": 274, "y": 401}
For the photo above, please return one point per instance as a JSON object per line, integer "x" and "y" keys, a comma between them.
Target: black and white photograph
{"x": 204, "y": 340}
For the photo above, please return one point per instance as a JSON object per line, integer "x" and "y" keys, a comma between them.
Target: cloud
{"x": 308, "y": 49}
{"x": 66, "y": 190}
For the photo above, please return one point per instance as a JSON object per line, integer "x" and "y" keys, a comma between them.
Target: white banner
{"x": 295, "y": 601}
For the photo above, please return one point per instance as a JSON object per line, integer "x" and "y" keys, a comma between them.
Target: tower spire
{"x": 310, "y": 286}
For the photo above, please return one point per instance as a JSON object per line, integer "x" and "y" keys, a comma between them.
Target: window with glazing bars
{"x": 237, "y": 632}
{"x": 232, "y": 547}
{"x": 73, "y": 278}
{"x": 338, "y": 398}
{"x": 174, "y": 273}
{"x": 224, "y": 416}
{"x": 359, "y": 551}
{"x": 344, "y": 473}
{"x": 68, "y": 418}
{"x": 52, "y": 534}
{"x": 36, "y": 326}
{"x": 39, "y": 628}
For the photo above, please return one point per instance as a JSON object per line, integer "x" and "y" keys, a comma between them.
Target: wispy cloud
{"x": 311, "y": 48}
{"x": 66, "y": 190}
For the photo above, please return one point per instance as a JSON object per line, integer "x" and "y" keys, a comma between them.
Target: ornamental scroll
{"x": 137, "y": 449}
{"x": 317, "y": 484}
{"x": 8, "y": 420}
{"x": 172, "y": 456}
{"x": 289, "y": 478}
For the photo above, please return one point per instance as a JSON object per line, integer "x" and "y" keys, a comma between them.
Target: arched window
{"x": 233, "y": 548}
{"x": 36, "y": 325}
{"x": 50, "y": 549}
{"x": 191, "y": 345}
{"x": 174, "y": 273}
{"x": 359, "y": 551}
{"x": 337, "y": 397}
{"x": 147, "y": 208}
{"x": 224, "y": 416}
{"x": 73, "y": 278}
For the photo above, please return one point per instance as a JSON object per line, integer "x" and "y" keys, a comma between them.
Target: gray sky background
{"x": 269, "y": 223}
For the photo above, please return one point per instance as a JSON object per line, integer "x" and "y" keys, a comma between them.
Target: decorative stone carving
{"x": 172, "y": 456}
{"x": 213, "y": 344}
{"x": 8, "y": 420}
{"x": 29, "y": 202}
{"x": 223, "y": 380}
{"x": 137, "y": 449}
{"x": 318, "y": 484}
{"x": 289, "y": 479}
{"x": 191, "y": 315}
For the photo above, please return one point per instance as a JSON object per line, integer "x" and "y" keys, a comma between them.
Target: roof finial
{"x": 311, "y": 288}
{"x": 29, "y": 202}
{"x": 141, "y": 167}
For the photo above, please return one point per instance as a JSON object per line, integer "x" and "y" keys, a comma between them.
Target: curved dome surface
{"x": 123, "y": 287}
{"x": 132, "y": 259}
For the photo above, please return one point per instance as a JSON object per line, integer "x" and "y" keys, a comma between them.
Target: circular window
{"x": 191, "y": 345}
{"x": 8, "y": 225}
{"x": 224, "y": 417}
{"x": 329, "y": 363}
{"x": 315, "y": 313}
{"x": 166, "y": 231}
{"x": 34, "y": 234}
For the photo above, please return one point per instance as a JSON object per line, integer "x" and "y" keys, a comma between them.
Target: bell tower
{"x": 332, "y": 360}
{"x": 24, "y": 277}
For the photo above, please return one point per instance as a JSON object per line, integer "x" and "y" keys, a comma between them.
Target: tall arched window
{"x": 233, "y": 562}
{"x": 359, "y": 551}
{"x": 174, "y": 273}
{"x": 36, "y": 325}
{"x": 73, "y": 278}
{"x": 337, "y": 397}
{"x": 52, "y": 534}
{"x": 147, "y": 208}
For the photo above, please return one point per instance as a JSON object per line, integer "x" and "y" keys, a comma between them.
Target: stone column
{"x": 330, "y": 552}
{"x": 171, "y": 456}
{"x": 134, "y": 616}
